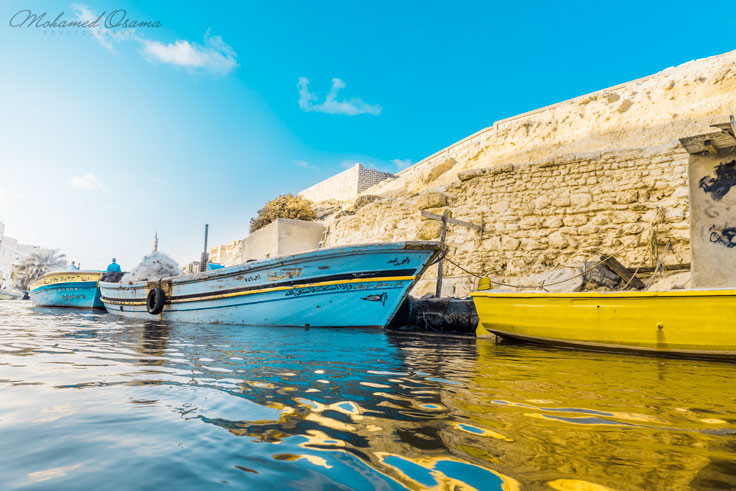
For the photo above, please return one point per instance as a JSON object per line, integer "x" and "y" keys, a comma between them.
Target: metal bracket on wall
{"x": 445, "y": 219}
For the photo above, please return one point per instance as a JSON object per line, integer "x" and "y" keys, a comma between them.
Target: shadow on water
{"x": 93, "y": 399}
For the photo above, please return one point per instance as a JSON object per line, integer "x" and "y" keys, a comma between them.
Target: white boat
{"x": 361, "y": 285}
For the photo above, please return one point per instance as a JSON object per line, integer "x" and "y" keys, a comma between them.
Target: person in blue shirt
{"x": 74, "y": 267}
{"x": 114, "y": 266}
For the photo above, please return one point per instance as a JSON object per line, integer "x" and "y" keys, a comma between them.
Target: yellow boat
{"x": 680, "y": 322}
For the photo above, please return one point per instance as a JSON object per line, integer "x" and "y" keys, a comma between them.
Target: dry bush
{"x": 285, "y": 206}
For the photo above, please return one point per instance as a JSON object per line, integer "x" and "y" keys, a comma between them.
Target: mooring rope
{"x": 543, "y": 284}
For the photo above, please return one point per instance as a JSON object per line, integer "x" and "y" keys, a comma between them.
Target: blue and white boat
{"x": 358, "y": 286}
{"x": 74, "y": 289}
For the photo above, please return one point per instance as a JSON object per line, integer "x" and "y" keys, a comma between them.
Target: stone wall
{"x": 541, "y": 215}
{"x": 346, "y": 185}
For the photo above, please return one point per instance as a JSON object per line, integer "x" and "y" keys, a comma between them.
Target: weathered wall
{"x": 713, "y": 219}
{"x": 346, "y": 185}
{"x": 541, "y": 215}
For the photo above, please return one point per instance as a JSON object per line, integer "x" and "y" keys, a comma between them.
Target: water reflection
{"x": 90, "y": 399}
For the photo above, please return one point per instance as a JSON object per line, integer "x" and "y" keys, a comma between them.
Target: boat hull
{"x": 78, "y": 290}
{"x": 685, "y": 322}
{"x": 357, "y": 286}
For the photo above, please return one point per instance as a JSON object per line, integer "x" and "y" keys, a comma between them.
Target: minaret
{"x": 155, "y": 242}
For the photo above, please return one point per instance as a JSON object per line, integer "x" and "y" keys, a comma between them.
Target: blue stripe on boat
{"x": 74, "y": 295}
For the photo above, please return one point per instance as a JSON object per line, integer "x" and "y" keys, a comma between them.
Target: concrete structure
{"x": 282, "y": 237}
{"x": 346, "y": 185}
{"x": 191, "y": 268}
{"x": 712, "y": 179}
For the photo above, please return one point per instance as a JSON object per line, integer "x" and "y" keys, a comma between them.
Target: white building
{"x": 8, "y": 255}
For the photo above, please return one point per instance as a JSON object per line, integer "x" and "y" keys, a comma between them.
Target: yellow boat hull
{"x": 684, "y": 322}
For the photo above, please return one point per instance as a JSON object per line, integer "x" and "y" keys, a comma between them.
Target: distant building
{"x": 12, "y": 253}
{"x": 8, "y": 246}
{"x": 346, "y": 185}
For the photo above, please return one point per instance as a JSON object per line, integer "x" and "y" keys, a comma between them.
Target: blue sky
{"x": 106, "y": 139}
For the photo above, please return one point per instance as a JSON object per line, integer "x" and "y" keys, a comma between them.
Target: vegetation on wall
{"x": 284, "y": 206}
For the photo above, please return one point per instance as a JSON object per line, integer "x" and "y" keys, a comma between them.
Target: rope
{"x": 659, "y": 267}
{"x": 543, "y": 285}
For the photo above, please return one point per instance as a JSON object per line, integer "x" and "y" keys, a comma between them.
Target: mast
{"x": 204, "y": 258}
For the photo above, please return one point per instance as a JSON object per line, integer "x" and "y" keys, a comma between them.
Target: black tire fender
{"x": 155, "y": 301}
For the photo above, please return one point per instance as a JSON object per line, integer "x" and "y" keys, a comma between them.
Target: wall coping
{"x": 496, "y": 124}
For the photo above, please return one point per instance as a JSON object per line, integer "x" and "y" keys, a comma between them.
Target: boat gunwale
{"x": 81, "y": 271}
{"x": 52, "y": 274}
{"x": 615, "y": 294}
{"x": 256, "y": 266}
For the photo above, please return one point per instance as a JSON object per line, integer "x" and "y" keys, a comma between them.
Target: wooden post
{"x": 623, "y": 272}
{"x": 203, "y": 260}
{"x": 438, "y": 292}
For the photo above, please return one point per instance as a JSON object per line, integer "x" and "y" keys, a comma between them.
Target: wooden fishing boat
{"x": 74, "y": 289}
{"x": 8, "y": 295}
{"x": 678, "y": 322}
{"x": 361, "y": 285}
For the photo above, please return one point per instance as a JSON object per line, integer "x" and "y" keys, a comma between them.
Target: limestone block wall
{"x": 541, "y": 215}
{"x": 346, "y": 185}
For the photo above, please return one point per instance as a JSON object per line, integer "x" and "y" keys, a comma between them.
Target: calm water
{"x": 94, "y": 402}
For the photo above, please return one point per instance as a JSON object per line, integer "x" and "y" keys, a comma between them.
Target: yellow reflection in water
{"x": 576, "y": 485}
{"x": 595, "y": 421}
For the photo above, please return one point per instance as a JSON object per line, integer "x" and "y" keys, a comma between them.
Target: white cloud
{"x": 10, "y": 198}
{"x": 331, "y": 105}
{"x": 303, "y": 164}
{"x": 162, "y": 182}
{"x": 87, "y": 182}
{"x": 214, "y": 56}
{"x": 85, "y": 14}
{"x": 401, "y": 164}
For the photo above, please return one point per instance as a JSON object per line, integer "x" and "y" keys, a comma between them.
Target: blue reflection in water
{"x": 420, "y": 474}
{"x": 100, "y": 399}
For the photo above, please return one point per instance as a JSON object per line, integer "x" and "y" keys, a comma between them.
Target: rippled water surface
{"x": 90, "y": 401}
